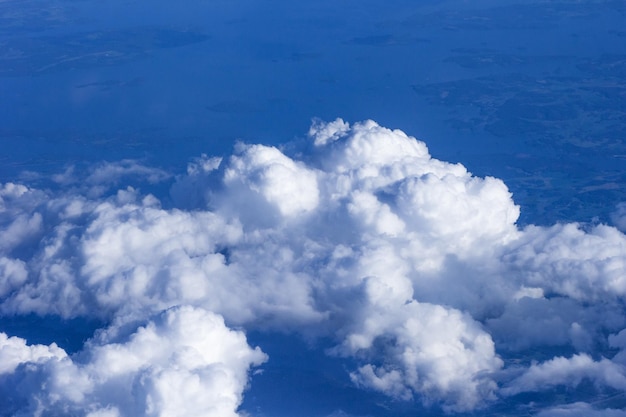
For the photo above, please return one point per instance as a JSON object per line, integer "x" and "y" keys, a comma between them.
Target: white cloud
{"x": 14, "y": 351}
{"x": 100, "y": 178}
{"x": 135, "y": 258}
{"x": 20, "y": 222}
{"x": 10, "y": 195}
{"x": 414, "y": 268}
{"x": 565, "y": 259}
{"x": 323, "y": 133}
{"x": 434, "y": 352}
{"x": 580, "y": 409}
{"x": 13, "y": 274}
{"x": 280, "y": 181}
{"x": 22, "y": 228}
{"x": 185, "y": 362}
{"x": 568, "y": 372}
{"x": 112, "y": 172}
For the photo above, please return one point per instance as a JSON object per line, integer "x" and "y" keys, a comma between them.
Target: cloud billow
{"x": 414, "y": 267}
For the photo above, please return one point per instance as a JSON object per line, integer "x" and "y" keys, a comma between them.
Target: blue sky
{"x": 324, "y": 209}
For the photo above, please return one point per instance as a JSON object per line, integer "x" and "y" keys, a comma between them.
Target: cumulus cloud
{"x": 20, "y": 222}
{"x": 429, "y": 350}
{"x": 184, "y": 362}
{"x": 14, "y": 351}
{"x": 566, "y": 260}
{"x": 413, "y": 267}
{"x": 324, "y": 133}
{"x": 568, "y": 372}
{"x": 13, "y": 274}
{"x": 280, "y": 181}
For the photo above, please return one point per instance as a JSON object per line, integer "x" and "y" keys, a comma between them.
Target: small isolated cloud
{"x": 104, "y": 176}
{"x": 411, "y": 267}
{"x": 112, "y": 172}
{"x": 580, "y": 409}
{"x": 341, "y": 413}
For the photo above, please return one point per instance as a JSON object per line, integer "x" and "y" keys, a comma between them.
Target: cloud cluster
{"x": 414, "y": 267}
{"x": 183, "y": 362}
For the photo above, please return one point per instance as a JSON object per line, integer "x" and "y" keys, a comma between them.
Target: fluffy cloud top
{"x": 280, "y": 181}
{"x": 412, "y": 266}
{"x": 14, "y": 351}
{"x": 183, "y": 362}
{"x": 434, "y": 351}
